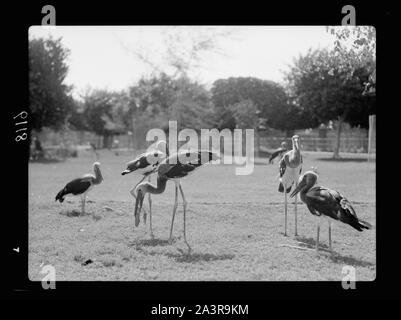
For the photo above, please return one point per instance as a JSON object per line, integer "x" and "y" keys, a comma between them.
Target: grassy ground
{"x": 234, "y": 224}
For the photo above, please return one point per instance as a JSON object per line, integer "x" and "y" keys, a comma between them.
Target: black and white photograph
{"x": 202, "y": 153}
{"x": 199, "y": 165}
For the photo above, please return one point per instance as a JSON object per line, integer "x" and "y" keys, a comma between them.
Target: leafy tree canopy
{"x": 266, "y": 95}
{"x": 50, "y": 100}
{"x": 327, "y": 87}
{"x": 101, "y": 112}
{"x": 357, "y": 46}
{"x": 163, "y": 98}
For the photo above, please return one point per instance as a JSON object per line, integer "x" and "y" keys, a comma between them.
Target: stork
{"x": 278, "y": 152}
{"x": 81, "y": 186}
{"x": 173, "y": 168}
{"x": 325, "y": 202}
{"x": 146, "y": 164}
{"x": 290, "y": 169}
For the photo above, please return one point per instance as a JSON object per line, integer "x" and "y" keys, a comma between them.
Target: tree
{"x": 191, "y": 106}
{"x": 291, "y": 116}
{"x": 357, "y": 45}
{"x": 245, "y": 114}
{"x": 158, "y": 99}
{"x": 327, "y": 87}
{"x": 50, "y": 100}
{"x": 76, "y": 119}
{"x": 268, "y": 97}
{"x": 184, "y": 49}
{"x": 100, "y": 115}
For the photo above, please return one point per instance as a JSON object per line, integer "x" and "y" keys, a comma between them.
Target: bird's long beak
{"x": 297, "y": 189}
{"x": 138, "y": 206}
{"x": 126, "y": 171}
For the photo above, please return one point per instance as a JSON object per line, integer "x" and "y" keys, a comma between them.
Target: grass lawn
{"x": 235, "y": 225}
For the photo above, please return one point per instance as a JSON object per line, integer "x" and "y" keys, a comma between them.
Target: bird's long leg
{"x": 174, "y": 210}
{"x": 296, "y": 220}
{"x": 150, "y": 215}
{"x": 285, "y": 209}
{"x": 83, "y": 199}
{"x": 132, "y": 192}
{"x": 317, "y": 237}
{"x": 145, "y": 214}
{"x": 331, "y": 250}
{"x": 82, "y": 204}
{"x": 185, "y": 209}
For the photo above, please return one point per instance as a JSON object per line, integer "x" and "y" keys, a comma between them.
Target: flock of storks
{"x": 321, "y": 201}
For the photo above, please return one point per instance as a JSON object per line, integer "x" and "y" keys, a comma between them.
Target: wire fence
{"x": 74, "y": 143}
{"x": 352, "y": 145}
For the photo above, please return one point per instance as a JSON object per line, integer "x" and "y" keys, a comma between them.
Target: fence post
{"x": 372, "y": 119}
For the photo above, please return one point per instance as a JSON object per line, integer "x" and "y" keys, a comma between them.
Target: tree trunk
{"x": 336, "y": 154}
{"x": 135, "y": 133}
{"x": 38, "y": 152}
{"x": 257, "y": 151}
{"x": 106, "y": 141}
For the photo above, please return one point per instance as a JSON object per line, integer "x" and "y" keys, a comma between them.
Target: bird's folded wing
{"x": 343, "y": 203}
{"x": 322, "y": 201}
{"x": 180, "y": 170}
{"x": 78, "y": 186}
{"x": 277, "y": 152}
{"x": 283, "y": 164}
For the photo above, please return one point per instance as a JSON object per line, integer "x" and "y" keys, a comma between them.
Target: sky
{"x": 104, "y": 56}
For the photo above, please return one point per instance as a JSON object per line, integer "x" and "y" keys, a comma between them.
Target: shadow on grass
{"x": 343, "y": 159}
{"x": 335, "y": 257}
{"x": 179, "y": 257}
{"x": 311, "y": 243}
{"x": 197, "y": 257}
{"x": 350, "y": 260}
{"x": 73, "y": 213}
{"x": 153, "y": 242}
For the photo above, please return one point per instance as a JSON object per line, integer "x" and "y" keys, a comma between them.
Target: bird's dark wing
{"x": 300, "y": 167}
{"x": 313, "y": 210}
{"x": 276, "y": 153}
{"x": 179, "y": 170}
{"x": 283, "y": 164}
{"x": 333, "y": 204}
{"x": 177, "y": 166}
{"x": 322, "y": 202}
{"x": 78, "y": 186}
{"x": 75, "y": 187}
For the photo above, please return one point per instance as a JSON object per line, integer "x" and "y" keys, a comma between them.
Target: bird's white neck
{"x": 160, "y": 187}
{"x": 98, "y": 175}
{"x": 295, "y": 145}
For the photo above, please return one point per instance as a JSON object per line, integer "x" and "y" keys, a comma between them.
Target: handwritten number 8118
{"x": 22, "y": 116}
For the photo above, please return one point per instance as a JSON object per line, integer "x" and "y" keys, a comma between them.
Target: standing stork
{"x": 81, "y": 186}
{"x": 278, "y": 152}
{"x": 173, "y": 168}
{"x": 146, "y": 164}
{"x": 324, "y": 202}
{"x": 290, "y": 169}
